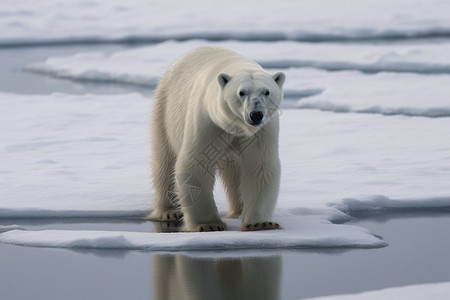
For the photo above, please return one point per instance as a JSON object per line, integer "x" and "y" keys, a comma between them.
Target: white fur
{"x": 201, "y": 125}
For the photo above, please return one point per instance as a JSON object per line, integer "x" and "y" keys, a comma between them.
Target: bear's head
{"x": 250, "y": 100}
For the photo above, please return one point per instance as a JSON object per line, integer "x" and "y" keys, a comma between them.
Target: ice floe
{"x": 382, "y": 93}
{"x": 435, "y": 291}
{"x": 381, "y": 203}
{"x": 412, "y": 94}
{"x": 95, "y": 21}
{"x": 9, "y": 228}
{"x": 145, "y": 65}
{"x": 307, "y": 232}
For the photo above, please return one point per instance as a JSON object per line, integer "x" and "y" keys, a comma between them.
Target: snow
{"x": 383, "y": 93}
{"x": 60, "y": 21}
{"x": 327, "y": 157}
{"x": 88, "y": 156}
{"x": 387, "y": 93}
{"x": 71, "y": 154}
{"x": 435, "y": 291}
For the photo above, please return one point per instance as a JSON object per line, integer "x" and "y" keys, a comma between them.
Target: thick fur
{"x": 202, "y": 125}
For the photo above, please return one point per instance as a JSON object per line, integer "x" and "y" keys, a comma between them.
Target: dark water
{"x": 418, "y": 250}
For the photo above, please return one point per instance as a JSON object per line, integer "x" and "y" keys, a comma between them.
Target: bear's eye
{"x": 266, "y": 93}
{"x": 242, "y": 93}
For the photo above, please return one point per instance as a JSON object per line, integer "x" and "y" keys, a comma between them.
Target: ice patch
{"x": 380, "y": 203}
{"x": 10, "y": 227}
{"x": 345, "y": 91}
{"x": 143, "y": 66}
{"x": 383, "y": 93}
{"x": 307, "y": 232}
{"x": 435, "y": 291}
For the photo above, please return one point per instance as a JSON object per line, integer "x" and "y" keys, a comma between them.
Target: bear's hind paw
{"x": 260, "y": 226}
{"x": 210, "y": 227}
{"x": 167, "y": 216}
{"x": 172, "y": 215}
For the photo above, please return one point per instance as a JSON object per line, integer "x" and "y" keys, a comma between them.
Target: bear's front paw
{"x": 260, "y": 226}
{"x": 209, "y": 227}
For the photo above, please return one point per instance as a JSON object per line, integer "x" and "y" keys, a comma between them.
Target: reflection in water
{"x": 183, "y": 277}
{"x": 166, "y": 226}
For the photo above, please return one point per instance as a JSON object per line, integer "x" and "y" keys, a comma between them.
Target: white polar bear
{"x": 215, "y": 110}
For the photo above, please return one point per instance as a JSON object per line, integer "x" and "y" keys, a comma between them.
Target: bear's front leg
{"x": 195, "y": 193}
{"x": 260, "y": 181}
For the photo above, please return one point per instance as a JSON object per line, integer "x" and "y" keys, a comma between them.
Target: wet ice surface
{"x": 414, "y": 256}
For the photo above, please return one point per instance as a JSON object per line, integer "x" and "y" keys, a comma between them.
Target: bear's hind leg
{"x": 165, "y": 207}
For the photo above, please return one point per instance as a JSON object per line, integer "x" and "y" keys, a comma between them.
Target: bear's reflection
{"x": 183, "y": 277}
{"x": 186, "y": 277}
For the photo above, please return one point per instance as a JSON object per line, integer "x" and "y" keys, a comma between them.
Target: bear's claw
{"x": 210, "y": 227}
{"x": 260, "y": 226}
{"x": 173, "y": 215}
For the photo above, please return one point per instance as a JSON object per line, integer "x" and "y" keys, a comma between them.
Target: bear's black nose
{"x": 256, "y": 117}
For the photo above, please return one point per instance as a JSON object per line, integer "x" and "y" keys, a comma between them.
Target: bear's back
{"x": 184, "y": 88}
{"x": 208, "y": 62}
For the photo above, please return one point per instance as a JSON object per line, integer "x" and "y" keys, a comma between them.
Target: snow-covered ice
{"x": 327, "y": 157}
{"x": 59, "y": 21}
{"x": 381, "y": 203}
{"x": 9, "y": 228}
{"x": 88, "y": 155}
{"x": 71, "y": 154}
{"x": 146, "y": 64}
{"x": 297, "y": 232}
{"x": 384, "y": 93}
{"x": 435, "y": 291}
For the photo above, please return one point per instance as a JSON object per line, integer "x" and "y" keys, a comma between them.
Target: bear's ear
{"x": 223, "y": 79}
{"x": 279, "y": 78}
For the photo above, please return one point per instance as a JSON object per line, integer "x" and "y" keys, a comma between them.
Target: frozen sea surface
{"x": 68, "y": 22}
{"x": 364, "y": 141}
{"x": 88, "y": 156}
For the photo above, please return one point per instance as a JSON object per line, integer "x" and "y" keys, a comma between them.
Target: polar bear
{"x": 214, "y": 112}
